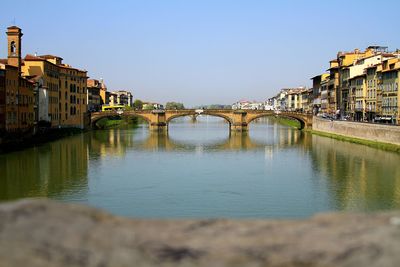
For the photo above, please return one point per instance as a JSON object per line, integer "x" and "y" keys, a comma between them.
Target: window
{"x": 13, "y": 48}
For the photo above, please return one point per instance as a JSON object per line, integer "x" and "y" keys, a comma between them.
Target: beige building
{"x": 94, "y": 89}
{"x": 389, "y": 87}
{"x": 66, "y": 87}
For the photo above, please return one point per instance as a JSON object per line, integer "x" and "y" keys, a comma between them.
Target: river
{"x": 199, "y": 170}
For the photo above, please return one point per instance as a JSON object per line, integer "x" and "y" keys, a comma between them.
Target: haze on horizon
{"x": 202, "y": 51}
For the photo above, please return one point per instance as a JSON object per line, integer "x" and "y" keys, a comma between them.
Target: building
{"x": 150, "y": 105}
{"x": 389, "y": 87}
{"x": 244, "y": 104}
{"x": 25, "y": 105}
{"x": 332, "y": 88}
{"x": 315, "y": 97}
{"x": 65, "y": 87}
{"x": 16, "y": 100}
{"x": 50, "y": 74}
{"x": 279, "y": 101}
{"x": 2, "y": 100}
{"x": 105, "y": 96}
{"x": 73, "y": 91}
{"x": 357, "y": 97}
{"x": 373, "y": 101}
{"x": 351, "y": 65}
{"x": 294, "y": 99}
{"x": 94, "y": 100}
{"x": 112, "y": 98}
{"x": 122, "y": 97}
{"x": 41, "y": 107}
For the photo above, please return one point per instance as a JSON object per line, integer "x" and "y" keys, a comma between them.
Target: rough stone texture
{"x": 373, "y": 132}
{"x": 44, "y": 233}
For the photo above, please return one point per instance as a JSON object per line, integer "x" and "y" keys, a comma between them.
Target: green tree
{"x": 174, "y": 105}
{"x": 137, "y": 104}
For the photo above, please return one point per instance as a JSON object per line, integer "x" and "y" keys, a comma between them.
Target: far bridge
{"x": 238, "y": 120}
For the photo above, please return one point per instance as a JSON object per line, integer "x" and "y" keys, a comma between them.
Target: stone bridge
{"x": 238, "y": 119}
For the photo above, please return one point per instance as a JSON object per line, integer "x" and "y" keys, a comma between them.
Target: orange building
{"x": 73, "y": 92}
{"x": 16, "y": 98}
{"x": 25, "y": 105}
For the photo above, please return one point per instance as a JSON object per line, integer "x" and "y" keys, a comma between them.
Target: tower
{"x": 14, "y": 35}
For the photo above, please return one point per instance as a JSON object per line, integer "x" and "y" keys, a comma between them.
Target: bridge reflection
{"x": 117, "y": 142}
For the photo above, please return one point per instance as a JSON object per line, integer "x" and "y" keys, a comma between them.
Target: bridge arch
{"x": 284, "y": 115}
{"x": 226, "y": 118}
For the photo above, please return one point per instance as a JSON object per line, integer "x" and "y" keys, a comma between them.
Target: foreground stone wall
{"x": 43, "y": 233}
{"x": 373, "y": 132}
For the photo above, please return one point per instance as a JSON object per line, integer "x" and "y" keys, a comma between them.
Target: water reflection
{"x": 359, "y": 177}
{"x": 55, "y": 170}
{"x": 200, "y": 170}
{"x": 118, "y": 142}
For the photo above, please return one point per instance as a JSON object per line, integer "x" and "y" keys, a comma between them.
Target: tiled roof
{"x": 29, "y": 57}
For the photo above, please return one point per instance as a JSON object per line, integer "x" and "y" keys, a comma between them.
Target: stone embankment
{"x": 381, "y": 133}
{"x": 43, "y": 233}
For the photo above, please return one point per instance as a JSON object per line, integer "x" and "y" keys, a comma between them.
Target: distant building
{"x": 124, "y": 98}
{"x": 95, "y": 92}
{"x": 150, "y": 105}
{"x": 244, "y": 104}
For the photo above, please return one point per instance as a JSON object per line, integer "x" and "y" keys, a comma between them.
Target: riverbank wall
{"x": 45, "y": 233}
{"x": 378, "y": 133}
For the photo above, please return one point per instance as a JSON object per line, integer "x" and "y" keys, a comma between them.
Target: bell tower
{"x": 14, "y": 35}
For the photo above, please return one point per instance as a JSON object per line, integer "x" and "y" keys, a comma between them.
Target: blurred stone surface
{"x": 41, "y": 233}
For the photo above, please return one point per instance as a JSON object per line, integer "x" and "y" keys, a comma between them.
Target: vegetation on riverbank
{"x": 288, "y": 122}
{"x": 375, "y": 144}
{"x": 117, "y": 122}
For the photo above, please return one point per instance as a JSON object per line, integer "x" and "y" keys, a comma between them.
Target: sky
{"x": 200, "y": 51}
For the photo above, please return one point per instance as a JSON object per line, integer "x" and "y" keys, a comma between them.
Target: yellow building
{"x": 389, "y": 86}
{"x": 344, "y": 61}
{"x": 333, "y": 85}
{"x": 357, "y": 97}
{"x": 373, "y": 100}
{"x": 49, "y": 72}
{"x": 66, "y": 88}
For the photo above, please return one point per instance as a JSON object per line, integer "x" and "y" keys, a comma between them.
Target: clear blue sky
{"x": 200, "y": 51}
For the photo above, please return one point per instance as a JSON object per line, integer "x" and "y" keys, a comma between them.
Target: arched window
{"x": 13, "y": 48}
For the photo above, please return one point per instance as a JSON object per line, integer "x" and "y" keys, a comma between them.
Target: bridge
{"x": 238, "y": 119}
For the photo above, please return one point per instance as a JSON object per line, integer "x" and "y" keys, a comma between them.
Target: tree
{"x": 137, "y": 104}
{"x": 174, "y": 105}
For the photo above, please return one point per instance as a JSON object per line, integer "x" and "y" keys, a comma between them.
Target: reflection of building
{"x": 55, "y": 170}
{"x": 359, "y": 176}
